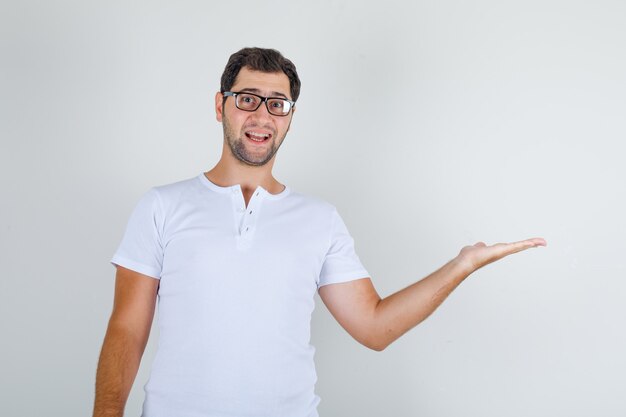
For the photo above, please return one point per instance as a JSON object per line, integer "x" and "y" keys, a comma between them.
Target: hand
{"x": 476, "y": 256}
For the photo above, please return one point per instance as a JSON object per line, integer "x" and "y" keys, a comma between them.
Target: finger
{"x": 538, "y": 241}
{"x": 533, "y": 242}
{"x": 480, "y": 244}
{"x": 510, "y": 248}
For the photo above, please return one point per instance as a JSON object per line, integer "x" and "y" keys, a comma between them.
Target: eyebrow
{"x": 257, "y": 91}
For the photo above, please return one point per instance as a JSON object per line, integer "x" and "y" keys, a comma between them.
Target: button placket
{"x": 249, "y": 217}
{"x": 238, "y": 208}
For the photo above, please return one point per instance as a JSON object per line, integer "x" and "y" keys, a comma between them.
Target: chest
{"x": 219, "y": 249}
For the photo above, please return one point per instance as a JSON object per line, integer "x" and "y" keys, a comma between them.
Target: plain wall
{"x": 430, "y": 125}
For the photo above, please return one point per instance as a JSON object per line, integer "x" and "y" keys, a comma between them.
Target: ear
{"x": 219, "y": 103}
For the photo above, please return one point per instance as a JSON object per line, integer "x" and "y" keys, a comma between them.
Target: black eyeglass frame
{"x": 263, "y": 100}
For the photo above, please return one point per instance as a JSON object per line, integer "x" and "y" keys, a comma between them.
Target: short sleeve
{"x": 141, "y": 249}
{"x": 341, "y": 263}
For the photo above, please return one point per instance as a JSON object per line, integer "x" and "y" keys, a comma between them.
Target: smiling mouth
{"x": 258, "y": 137}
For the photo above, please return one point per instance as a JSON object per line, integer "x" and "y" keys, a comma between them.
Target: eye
{"x": 277, "y": 104}
{"x": 247, "y": 102}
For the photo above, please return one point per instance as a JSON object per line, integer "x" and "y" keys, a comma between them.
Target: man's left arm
{"x": 377, "y": 322}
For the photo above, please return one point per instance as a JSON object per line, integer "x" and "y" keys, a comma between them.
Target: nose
{"x": 262, "y": 111}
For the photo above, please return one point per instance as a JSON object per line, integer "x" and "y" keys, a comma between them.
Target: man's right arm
{"x": 125, "y": 340}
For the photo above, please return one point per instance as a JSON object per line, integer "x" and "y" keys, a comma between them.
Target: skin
{"x": 356, "y": 305}
{"x": 243, "y": 161}
{"x": 125, "y": 340}
{"x": 377, "y": 322}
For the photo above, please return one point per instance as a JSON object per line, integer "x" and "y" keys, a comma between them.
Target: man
{"x": 235, "y": 258}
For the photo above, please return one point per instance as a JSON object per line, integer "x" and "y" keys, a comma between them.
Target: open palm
{"x": 478, "y": 255}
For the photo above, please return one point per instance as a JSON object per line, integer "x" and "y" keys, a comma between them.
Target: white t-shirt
{"x": 236, "y": 294}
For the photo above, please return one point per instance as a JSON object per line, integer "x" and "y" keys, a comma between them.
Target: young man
{"x": 235, "y": 258}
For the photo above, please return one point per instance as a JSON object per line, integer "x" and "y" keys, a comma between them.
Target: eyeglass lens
{"x": 250, "y": 102}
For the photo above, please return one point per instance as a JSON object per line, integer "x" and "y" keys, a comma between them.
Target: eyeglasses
{"x": 251, "y": 102}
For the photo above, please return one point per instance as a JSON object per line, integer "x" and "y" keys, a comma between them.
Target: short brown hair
{"x": 260, "y": 59}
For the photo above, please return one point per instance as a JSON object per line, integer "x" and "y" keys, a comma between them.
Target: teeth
{"x": 259, "y": 137}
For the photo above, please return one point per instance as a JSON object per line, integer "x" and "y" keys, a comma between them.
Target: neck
{"x": 249, "y": 177}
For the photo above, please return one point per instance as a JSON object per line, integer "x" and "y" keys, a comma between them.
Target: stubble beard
{"x": 237, "y": 144}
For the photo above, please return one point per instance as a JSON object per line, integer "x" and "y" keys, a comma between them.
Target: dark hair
{"x": 260, "y": 59}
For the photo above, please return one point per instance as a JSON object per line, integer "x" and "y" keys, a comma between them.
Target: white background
{"x": 430, "y": 125}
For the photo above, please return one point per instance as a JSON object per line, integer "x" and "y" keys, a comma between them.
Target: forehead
{"x": 267, "y": 83}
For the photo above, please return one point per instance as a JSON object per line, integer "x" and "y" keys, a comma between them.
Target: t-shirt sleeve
{"x": 341, "y": 263}
{"x": 141, "y": 249}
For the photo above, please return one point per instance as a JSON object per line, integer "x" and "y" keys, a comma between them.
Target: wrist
{"x": 463, "y": 265}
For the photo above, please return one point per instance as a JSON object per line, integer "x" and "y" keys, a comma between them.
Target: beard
{"x": 250, "y": 156}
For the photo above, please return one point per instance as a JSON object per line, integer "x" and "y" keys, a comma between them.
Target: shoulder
{"x": 175, "y": 187}
{"x": 310, "y": 203}
{"x": 162, "y": 199}
{"x": 308, "y": 211}
{"x": 169, "y": 193}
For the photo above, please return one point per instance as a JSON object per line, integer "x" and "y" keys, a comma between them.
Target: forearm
{"x": 403, "y": 310}
{"x": 376, "y": 323}
{"x": 117, "y": 368}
